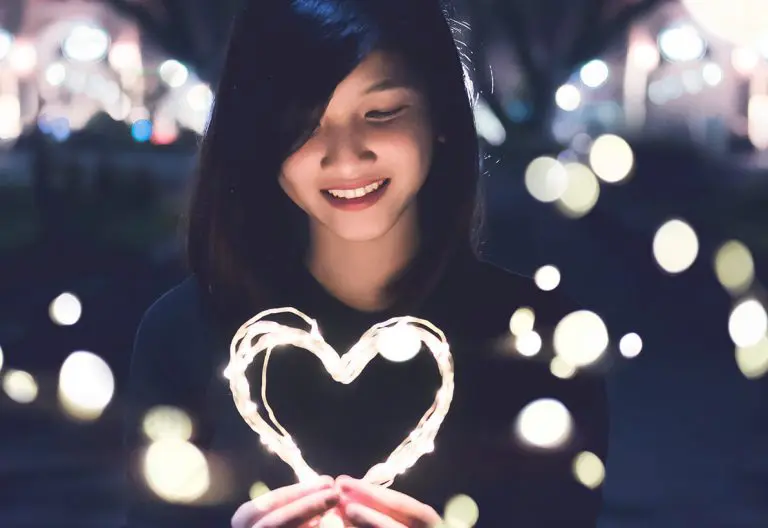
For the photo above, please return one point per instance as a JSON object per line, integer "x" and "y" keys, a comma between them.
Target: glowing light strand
{"x": 260, "y": 335}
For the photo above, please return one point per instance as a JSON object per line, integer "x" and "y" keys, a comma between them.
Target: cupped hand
{"x": 293, "y": 506}
{"x": 369, "y": 505}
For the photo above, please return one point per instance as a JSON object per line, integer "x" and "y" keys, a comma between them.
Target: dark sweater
{"x": 344, "y": 429}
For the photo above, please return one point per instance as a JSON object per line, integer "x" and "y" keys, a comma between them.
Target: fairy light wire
{"x": 262, "y": 335}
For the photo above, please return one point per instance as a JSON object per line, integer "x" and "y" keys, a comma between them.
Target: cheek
{"x": 408, "y": 152}
{"x": 291, "y": 180}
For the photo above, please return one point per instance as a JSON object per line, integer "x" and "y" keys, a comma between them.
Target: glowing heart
{"x": 262, "y": 335}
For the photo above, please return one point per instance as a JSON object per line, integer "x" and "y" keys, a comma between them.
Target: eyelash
{"x": 383, "y": 116}
{"x": 374, "y": 115}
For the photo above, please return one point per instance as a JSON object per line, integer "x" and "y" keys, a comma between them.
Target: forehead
{"x": 377, "y": 67}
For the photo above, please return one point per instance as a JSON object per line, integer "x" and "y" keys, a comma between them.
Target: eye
{"x": 382, "y": 115}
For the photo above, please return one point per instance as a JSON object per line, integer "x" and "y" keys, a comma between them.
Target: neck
{"x": 357, "y": 273}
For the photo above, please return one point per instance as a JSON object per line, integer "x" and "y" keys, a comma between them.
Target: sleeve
{"x": 166, "y": 369}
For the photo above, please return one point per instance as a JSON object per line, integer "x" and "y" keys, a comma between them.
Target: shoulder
{"x": 173, "y": 353}
{"x": 495, "y": 293}
{"x": 176, "y": 324}
{"x": 174, "y": 346}
{"x": 178, "y": 307}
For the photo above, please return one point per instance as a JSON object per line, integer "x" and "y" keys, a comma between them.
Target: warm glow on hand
{"x": 365, "y": 504}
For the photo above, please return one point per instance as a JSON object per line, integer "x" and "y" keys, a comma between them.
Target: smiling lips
{"x": 358, "y": 198}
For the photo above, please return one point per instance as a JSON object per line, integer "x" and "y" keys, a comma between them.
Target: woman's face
{"x": 359, "y": 174}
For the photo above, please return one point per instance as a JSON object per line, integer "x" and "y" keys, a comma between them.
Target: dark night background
{"x": 91, "y": 187}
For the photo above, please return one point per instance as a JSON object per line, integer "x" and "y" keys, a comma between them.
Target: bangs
{"x": 320, "y": 41}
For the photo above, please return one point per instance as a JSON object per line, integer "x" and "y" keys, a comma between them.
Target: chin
{"x": 360, "y": 232}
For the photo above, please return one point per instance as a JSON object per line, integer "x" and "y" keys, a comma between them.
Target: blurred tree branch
{"x": 191, "y": 31}
{"x": 550, "y": 39}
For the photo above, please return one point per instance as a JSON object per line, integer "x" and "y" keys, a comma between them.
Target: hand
{"x": 369, "y": 505}
{"x": 293, "y": 506}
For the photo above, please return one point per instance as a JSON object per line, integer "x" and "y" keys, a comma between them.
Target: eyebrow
{"x": 388, "y": 84}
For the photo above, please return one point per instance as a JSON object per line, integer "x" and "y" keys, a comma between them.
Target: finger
{"x": 296, "y": 513}
{"x": 251, "y": 511}
{"x": 385, "y": 500}
{"x": 364, "y": 517}
{"x": 288, "y": 494}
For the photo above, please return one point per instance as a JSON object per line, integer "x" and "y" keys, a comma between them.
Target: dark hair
{"x": 284, "y": 61}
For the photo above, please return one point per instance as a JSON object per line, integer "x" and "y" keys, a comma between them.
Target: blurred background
{"x": 626, "y": 163}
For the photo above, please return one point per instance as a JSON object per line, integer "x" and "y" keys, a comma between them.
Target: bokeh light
{"x": 675, "y": 246}
{"x": 734, "y": 266}
{"x": 546, "y": 179}
{"x": 86, "y": 385}
{"x": 589, "y": 469}
{"x": 544, "y": 423}
{"x": 20, "y": 386}
{"x": 682, "y": 43}
{"x": 753, "y": 360}
{"x": 568, "y": 97}
{"x": 522, "y": 321}
{"x": 644, "y": 54}
{"x": 176, "y": 471}
{"x": 712, "y": 73}
{"x": 745, "y": 60}
{"x": 65, "y": 310}
{"x": 580, "y": 338}
{"x": 141, "y": 130}
{"x": 2, "y": 359}
{"x": 23, "y": 57}
{"x": 611, "y": 158}
{"x": 257, "y": 490}
{"x": 86, "y": 43}
{"x": 630, "y": 345}
{"x": 200, "y": 98}
{"x": 748, "y": 323}
{"x": 165, "y": 422}
{"x": 581, "y": 192}
{"x": 595, "y": 73}
{"x": 741, "y": 22}
{"x": 399, "y": 343}
{"x": 560, "y": 369}
{"x": 528, "y": 344}
{"x": 173, "y": 73}
{"x": 547, "y": 278}
{"x": 55, "y": 74}
{"x": 461, "y": 511}
{"x": 125, "y": 56}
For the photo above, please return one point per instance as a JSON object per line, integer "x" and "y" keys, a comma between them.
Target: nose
{"x": 346, "y": 151}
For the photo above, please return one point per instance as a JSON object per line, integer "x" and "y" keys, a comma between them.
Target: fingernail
{"x": 332, "y": 501}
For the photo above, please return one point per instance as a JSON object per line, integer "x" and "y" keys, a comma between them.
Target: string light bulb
{"x": 262, "y": 335}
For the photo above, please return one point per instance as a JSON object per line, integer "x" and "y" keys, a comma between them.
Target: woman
{"x": 338, "y": 175}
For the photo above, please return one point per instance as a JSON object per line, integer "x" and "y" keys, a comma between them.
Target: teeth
{"x": 355, "y": 193}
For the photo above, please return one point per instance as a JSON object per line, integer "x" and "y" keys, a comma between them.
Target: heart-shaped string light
{"x": 259, "y": 334}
